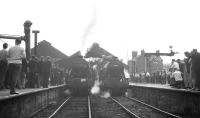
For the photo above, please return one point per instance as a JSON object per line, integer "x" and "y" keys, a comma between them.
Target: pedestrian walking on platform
{"x": 3, "y": 64}
{"x": 15, "y": 55}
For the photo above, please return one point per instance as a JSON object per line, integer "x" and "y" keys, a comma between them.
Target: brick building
{"x": 143, "y": 64}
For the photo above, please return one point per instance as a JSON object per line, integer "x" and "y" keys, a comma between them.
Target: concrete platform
{"x": 5, "y": 94}
{"x": 152, "y": 85}
{"x": 163, "y": 86}
{"x": 29, "y": 101}
{"x": 178, "y": 101}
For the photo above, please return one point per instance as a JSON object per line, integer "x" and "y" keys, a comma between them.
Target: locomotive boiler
{"x": 113, "y": 78}
{"x": 79, "y": 76}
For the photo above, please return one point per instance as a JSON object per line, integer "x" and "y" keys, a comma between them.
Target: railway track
{"x": 109, "y": 108}
{"x": 141, "y": 109}
{"x": 47, "y": 111}
{"x": 71, "y": 107}
{"x": 74, "y": 107}
{"x": 97, "y": 107}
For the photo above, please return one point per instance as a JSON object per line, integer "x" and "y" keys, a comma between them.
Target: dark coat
{"x": 46, "y": 67}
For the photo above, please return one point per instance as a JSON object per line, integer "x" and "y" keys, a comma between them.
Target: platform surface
{"x": 4, "y": 94}
{"x": 162, "y": 86}
{"x": 152, "y": 85}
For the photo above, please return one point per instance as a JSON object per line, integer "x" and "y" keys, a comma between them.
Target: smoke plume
{"x": 88, "y": 30}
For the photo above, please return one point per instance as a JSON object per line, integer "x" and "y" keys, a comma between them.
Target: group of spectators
{"x": 159, "y": 77}
{"x": 18, "y": 72}
{"x": 181, "y": 73}
{"x": 11, "y": 65}
{"x": 186, "y": 73}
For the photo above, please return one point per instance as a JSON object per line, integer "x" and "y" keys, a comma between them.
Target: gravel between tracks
{"x": 106, "y": 108}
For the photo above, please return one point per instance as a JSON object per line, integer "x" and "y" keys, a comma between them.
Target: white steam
{"x": 88, "y": 30}
{"x": 67, "y": 92}
{"x": 105, "y": 94}
{"x": 97, "y": 91}
{"x": 96, "y": 88}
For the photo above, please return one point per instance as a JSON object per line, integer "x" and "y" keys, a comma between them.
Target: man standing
{"x": 3, "y": 64}
{"x": 186, "y": 78}
{"x": 33, "y": 67}
{"x": 195, "y": 68}
{"x": 40, "y": 71}
{"x": 174, "y": 65}
{"x": 46, "y": 71}
{"x": 15, "y": 55}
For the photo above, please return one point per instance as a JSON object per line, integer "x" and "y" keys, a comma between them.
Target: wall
{"x": 24, "y": 105}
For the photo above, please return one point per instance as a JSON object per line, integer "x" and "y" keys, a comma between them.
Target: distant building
{"x": 151, "y": 64}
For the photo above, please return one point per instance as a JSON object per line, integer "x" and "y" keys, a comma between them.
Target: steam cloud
{"x": 67, "y": 92}
{"x": 105, "y": 94}
{"x": 96, "y": 88}
{"x": 88, "y": 30}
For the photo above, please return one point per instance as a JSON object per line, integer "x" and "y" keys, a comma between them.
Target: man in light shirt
{"x": 15, "y": 55}
{"x": 174, "y": 65}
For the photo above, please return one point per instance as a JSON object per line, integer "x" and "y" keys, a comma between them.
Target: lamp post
{"x": 27, "y": 29}
{"x": 35, "y": 32}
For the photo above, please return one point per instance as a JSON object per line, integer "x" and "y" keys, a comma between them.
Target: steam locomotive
{"x": 81, "y": 76}
{"x": 112, "y": 77}
{"x": 79, "y": 80}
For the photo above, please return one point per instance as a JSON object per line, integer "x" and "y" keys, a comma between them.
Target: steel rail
{"x": 127, "y": 110}
{"x": 54, "y": 113}
{"x": 89, "y": 108}
{"x": 157, "y": 109}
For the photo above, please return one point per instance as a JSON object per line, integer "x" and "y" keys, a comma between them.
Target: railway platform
{"x": 5, "y": 94}
{"x": 29, "y": 101}
{"x": 173, "y": 100}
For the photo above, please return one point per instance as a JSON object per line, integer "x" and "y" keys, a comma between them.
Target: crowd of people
{"x": 18, "y": 72}
{"x": 181, "y": 73}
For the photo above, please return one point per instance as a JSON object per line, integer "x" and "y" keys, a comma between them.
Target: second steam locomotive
{"x": 112, "y": 76}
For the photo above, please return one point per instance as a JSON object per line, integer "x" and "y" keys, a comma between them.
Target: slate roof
{"x": 96, "y": 51}
{"x": 44, "y": 48}
{"x": 74, "y": 58}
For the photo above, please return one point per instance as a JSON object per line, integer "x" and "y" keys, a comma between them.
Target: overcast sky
{"x": 119, "y": 26}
